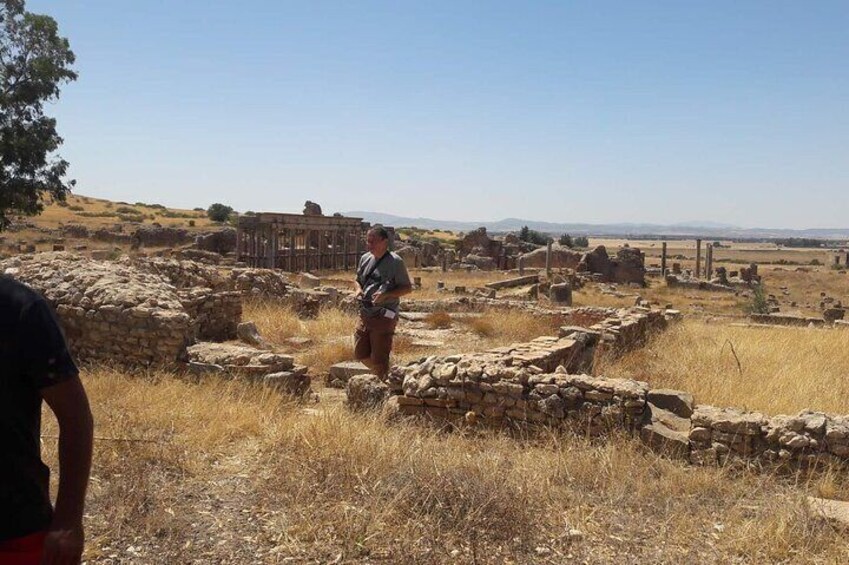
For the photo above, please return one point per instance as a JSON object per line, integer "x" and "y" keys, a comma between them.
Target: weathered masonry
{"x": 296, "y": 242}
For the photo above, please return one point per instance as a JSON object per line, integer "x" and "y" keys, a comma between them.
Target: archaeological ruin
{"x": 300, "y": 242}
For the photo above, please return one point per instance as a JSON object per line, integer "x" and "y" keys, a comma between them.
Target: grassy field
{"x": 223, "y": 472}
{"x": 97, "y": 212}
{"x": 774, "y": 370}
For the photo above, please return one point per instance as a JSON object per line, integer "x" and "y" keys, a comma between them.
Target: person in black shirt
{"x": 35, "y": 365}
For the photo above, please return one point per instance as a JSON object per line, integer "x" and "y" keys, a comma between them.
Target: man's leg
{"x": 382, "y": 331}
{"x": 362, "y": 344}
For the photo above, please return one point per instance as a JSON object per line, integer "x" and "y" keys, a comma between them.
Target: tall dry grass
{"x": 330, "y": 333}
{"x": 231, "y": 473}
{"x": 773, "y": 370}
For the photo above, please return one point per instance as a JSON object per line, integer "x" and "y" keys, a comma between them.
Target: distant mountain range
{"x": 685, "y": 229}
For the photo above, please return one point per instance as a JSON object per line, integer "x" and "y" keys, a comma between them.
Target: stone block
{"x": 666, "y": 441}
{"x": 366, "y": 392}
{"x": 342, "y": 372}
{"x": 678, "y": 402}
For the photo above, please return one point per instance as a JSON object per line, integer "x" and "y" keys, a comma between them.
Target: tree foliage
{"x": 532, "y": 236}
{"x": 219, "y": 212}
{"x": 34, "y": 62}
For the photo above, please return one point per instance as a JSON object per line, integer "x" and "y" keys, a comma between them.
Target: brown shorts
{"x": 373, "y": 342}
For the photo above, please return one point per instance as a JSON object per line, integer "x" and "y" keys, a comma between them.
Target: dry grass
{"x": 234, "y": 474}
{"x": 55, "y": 215}
{"x": 330, "y": 333}
{"x": 781, "y": 370}
{"x": 438, "y": 320}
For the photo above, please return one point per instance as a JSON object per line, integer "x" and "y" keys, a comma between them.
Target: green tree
{"x": 581, "y": 241}
{"x": 219, "y": 212}
{"x": 566, "y": 240}
{"x": 34, "y": 62}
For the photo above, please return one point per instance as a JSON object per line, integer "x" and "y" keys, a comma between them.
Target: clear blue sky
{"x": 589, "y": 111}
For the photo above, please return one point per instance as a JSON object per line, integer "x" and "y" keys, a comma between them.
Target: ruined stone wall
{"x": 109, "y": 312}
{"x": 267, "y": 283}
{"x": 541, "y": 382}
{"x": 730, "y": 436}
{"x": 215, "y": 315}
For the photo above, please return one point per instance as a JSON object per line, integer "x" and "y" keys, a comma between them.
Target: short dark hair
{"x": 381, "y": 232}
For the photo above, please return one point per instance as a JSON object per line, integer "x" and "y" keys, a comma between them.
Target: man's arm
{"x": 396, "y": 292}
{"x": 68, "y": 401}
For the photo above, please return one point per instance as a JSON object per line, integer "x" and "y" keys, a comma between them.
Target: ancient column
{"x": 837, "y": 260}
{"x": 239, "y": 237}
{"x": 334, "y": 259}
{"x": 272, "y": 252}
{"x": 521, "y": 262}
{"x": 346, "y": 236}
{"x": 307, "y": 242}
{"x": 709, "y": 262}
{"x": 663, "y": 259}
{"x": 698, "y": 257}
{"x": 444, "y": 261}
{"x": 548, "y": 259}
{"x": 291, "y": 266}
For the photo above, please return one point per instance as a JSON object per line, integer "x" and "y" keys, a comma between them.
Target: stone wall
{"x": 215, "y": 315}
{"x": 542, "y": 382}
{"x": 109, "y": 312}
{"x": 731, "y": 436}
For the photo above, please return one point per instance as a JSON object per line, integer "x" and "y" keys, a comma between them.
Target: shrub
{"x": 76, "y": 208}
{"x": 126, "y": 210}
{"x": 219, "y": 212}
{"x": 191, "y": 223}
{"x": 758, "y": 304}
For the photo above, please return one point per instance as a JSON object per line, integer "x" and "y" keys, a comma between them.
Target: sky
{"x": 564, "y": 111}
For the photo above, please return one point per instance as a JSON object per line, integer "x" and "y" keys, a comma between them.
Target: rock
{"x": 666, "y": 441}
{"x": 296, "y": 383}
{"x": 678, "y": 402}
{"x": 341, "y": 373}
{"x": 561, "y": 294}
{"x": 312, "y": 209}
{"x": 832, "y": 314}
{"x": 833, "y": 510}
{"x": 562, "y": 257}
{"x": 248, "y": 332}
{"x": 306, "y": 280}
{"x": 240, "y": 359}
{"x": 366, "y": 392}
{"x": 656, "y": 415}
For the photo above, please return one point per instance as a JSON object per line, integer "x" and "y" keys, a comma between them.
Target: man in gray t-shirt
{"x": 382, "y": 280}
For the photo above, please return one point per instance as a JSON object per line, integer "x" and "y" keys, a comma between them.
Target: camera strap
{"x": 362, "y": 279}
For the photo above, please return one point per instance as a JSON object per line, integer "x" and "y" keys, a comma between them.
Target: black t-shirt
{"x": 33, "y": 355}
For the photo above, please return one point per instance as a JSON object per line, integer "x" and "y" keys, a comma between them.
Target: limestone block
{"x": 678, "y": 402}
{"x": 666, "y": 441}
{"x": 340, "y": 373}
{"x": 366, "y": 391}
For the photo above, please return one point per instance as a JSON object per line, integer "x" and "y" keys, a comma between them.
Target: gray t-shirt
{"x": 389, "y": 274}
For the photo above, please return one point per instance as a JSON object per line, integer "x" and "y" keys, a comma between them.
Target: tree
{"x": 566, "y": 240}
{"x": 219, "y": 212}
{"x": 581, "y": 241}
{"x": 34, "y": 62}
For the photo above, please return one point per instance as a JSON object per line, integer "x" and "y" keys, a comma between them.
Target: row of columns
{"x": 276, "y": 247}
{"x": 708, "y": 264}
